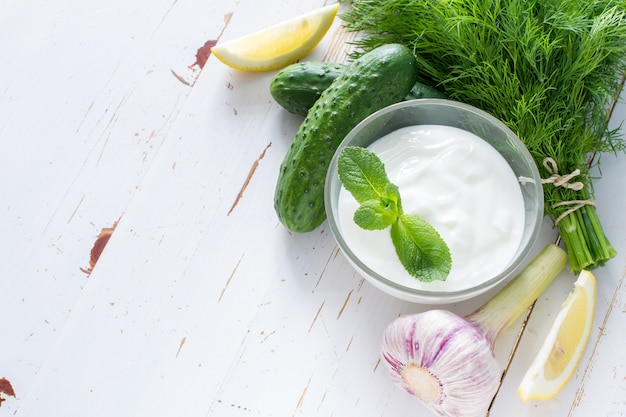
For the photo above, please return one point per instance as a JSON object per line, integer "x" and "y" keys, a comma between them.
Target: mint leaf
{"x": 420, "y": 248}
{"x": 392, "y": 198}
{"x": 376, "y": 214}
{"x": 362, "y": 173}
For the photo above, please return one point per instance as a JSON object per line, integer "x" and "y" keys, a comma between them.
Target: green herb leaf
{"x": 362, "y": 174}
{"x": 376, "y": 214}
{"x": 420, "y": 248}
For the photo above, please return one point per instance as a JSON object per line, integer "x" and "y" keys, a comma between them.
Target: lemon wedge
{"x": 563, "y": 348}
{"x": 278, "y": 45}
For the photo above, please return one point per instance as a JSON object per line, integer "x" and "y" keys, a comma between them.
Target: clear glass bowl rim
{"x": 418, "y": 295}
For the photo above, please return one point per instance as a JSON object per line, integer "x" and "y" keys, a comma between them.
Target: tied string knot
{"x": 576, "y": 205}
{"x": 562, "y": 181}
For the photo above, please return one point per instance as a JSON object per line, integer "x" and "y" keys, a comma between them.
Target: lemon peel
{"x": 564, "y": 345}
{"x": 279, "y": 45}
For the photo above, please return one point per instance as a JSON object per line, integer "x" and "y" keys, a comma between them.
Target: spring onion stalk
{"x": 549, "y": 69}
{"x": 447, "y": 361}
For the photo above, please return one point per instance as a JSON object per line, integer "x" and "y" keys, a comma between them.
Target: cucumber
{"x": 298, "y": 86}
{"x": 377, "y": 79}
{"x": 421, "y": 90}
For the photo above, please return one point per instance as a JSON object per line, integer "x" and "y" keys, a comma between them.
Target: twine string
{"x": 576, "y": 205}
{"x": 559, "y": 180}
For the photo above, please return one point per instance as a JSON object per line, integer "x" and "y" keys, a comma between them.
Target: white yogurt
{"x": 458, "y": 183}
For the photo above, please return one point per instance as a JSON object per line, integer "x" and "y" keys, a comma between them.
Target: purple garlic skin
{"x": 443, "y": 360}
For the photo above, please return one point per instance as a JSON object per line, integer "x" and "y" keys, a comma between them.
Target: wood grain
{"x": 201, "y": 302}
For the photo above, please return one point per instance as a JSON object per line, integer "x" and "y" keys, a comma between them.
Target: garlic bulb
{"x": 443, "y": 360}
{"x": 447, "y": 361}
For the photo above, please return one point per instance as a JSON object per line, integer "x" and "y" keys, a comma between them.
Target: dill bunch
{"x": 549, "y": 69}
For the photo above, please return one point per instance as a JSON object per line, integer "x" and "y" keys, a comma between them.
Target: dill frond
{"x": 549, "y": 69}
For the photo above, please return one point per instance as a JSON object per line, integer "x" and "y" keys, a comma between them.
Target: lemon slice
{"x": 278, "y": 45}
{"x": 563, "y": 348}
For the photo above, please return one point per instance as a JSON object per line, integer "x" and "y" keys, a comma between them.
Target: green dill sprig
{"x": 549, "y": 69}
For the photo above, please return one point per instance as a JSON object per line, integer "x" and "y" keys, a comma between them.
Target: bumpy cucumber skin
{"x": 298, "y": 86}
{"x": 377, "y": 79}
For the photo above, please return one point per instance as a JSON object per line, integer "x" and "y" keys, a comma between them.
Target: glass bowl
{"x": 425, "y": 113}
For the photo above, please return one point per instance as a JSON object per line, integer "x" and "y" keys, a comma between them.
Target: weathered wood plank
{"x": 202, "y": 303}
{"x": 87, "y": 100}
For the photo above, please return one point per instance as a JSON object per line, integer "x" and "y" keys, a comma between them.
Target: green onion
{"x": 447, "y": 361}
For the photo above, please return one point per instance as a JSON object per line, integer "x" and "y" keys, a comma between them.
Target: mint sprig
{"x": 420, "y": 248}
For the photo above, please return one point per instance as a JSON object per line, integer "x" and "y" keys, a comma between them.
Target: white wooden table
{"x": 202, "y": 303}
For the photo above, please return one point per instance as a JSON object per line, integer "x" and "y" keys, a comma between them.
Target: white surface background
{"x": 202, "y": 303}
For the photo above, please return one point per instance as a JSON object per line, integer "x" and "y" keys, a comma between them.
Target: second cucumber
{"x": 298, "y": 86}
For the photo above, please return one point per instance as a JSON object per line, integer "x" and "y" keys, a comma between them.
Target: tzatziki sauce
{"x": 459, "y": 184}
